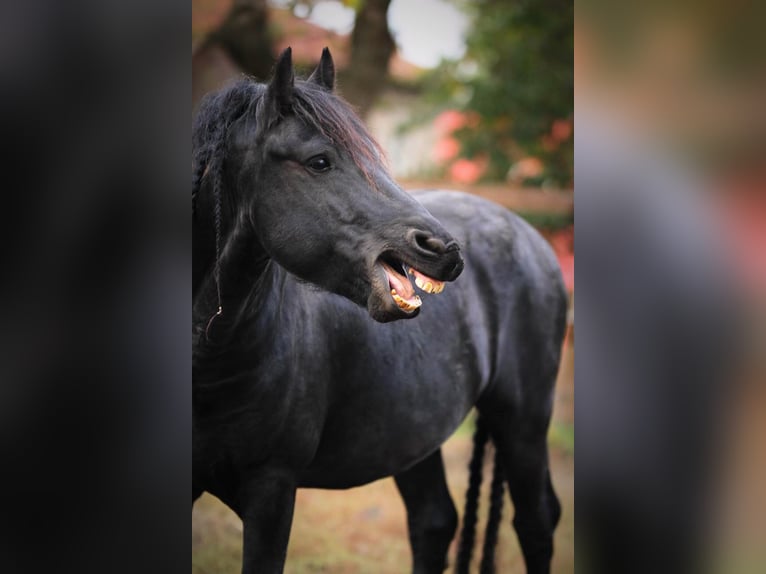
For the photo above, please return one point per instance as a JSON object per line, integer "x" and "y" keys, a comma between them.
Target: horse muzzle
{"x": 425, "y": 265}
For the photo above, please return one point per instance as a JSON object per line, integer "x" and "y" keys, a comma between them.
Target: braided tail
{"x": 495, "y": 515}
{"x": 468, "y": 534}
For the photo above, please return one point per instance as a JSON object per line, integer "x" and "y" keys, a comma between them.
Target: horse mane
{"x": 216, "y": 113}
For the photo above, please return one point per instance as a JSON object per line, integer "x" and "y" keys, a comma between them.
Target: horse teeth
{"x": 420, "y": 283}
{"x": 429, "y": 286}
{"x": 406, "y": 305}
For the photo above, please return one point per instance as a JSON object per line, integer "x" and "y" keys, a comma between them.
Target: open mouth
{"x": 402, "y": 292}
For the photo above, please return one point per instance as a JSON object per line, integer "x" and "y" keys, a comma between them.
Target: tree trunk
{"x": 371, "y": 49}
{"x": 244, "y": 34}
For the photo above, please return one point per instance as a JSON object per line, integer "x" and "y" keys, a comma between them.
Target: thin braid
{"x": 214, "y": 167}
{"x": 495, "y": 516}
{"x": 468, "y": 534}
{"x": 217, "y": 207}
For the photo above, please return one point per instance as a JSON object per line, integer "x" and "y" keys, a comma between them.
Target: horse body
{"x": 354, "y": 400}
{"x": 295, "y": 385}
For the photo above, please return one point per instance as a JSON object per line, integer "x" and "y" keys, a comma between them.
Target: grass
{"x": 561, "y": 436}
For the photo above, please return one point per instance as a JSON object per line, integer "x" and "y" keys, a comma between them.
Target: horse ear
{"x": 279, "y": 95}
{"x": 324, "y": 75}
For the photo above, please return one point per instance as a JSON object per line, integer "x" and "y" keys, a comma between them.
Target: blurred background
{"x": 670, "y": 158}
{"x": 470, "y": 95}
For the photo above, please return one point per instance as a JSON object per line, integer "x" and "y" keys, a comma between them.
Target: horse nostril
{"x": 429, "y": 243}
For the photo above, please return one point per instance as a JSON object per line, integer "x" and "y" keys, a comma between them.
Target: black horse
{"x": 305, "y": 251}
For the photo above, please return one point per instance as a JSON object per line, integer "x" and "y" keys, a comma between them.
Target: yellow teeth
{"x": 426, "y": 285}
{"x": 406, "y": 305}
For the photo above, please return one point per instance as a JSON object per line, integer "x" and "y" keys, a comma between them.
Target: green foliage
{"x": 355, "y": 4}
{"x": 517, "y": 76}
{"x": 547, "y": 221}
{"x": 561, "y": 436}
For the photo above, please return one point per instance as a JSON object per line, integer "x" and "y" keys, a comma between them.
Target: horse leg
{"x": 524, "y": 452}
{"x": 265, "y": 504}
{"x": 431, "y": 514}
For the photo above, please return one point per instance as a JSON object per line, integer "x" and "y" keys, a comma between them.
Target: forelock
{"x": 334, "y": 118}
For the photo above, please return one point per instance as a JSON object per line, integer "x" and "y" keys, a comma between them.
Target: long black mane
{"x": 217, "y": 112}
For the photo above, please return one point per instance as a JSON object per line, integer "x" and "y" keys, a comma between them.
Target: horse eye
{"x": 319, "y": 164}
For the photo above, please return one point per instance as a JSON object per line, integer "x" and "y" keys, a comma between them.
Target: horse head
{"x": 303, "y": 178}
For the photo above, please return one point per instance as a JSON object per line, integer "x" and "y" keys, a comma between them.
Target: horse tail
{"x": 470, "y": 515}
{"x": 468, "y": 533}
{"x": 495, "y": 515}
